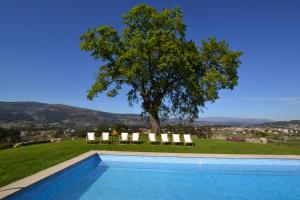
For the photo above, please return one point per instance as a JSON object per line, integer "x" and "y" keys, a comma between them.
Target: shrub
{"x": 31, "y": 143}
{"x": 80, "y": 132}
{"x": 198, "y": 131}
{"x": 119, "y": 128}
{"x": 9, "y": 136}
{"x": 59, "y": 134}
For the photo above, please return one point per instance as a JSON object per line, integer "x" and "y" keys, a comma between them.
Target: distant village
{"x": 248, "y": 130}
{"x": 257, "y": 134}
{"x": 230, "y": 133}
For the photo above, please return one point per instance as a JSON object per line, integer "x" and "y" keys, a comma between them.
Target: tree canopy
{"x": 167, "y": 73}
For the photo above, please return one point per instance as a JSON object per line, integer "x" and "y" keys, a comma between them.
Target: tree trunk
{"x": 155, "y": 123}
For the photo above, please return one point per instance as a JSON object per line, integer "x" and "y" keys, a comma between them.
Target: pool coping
{"x": 11, "y": 188}
{"x": 18, "y": 185}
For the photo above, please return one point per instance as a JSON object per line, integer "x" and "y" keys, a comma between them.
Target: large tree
{"x": 167, "y": 73}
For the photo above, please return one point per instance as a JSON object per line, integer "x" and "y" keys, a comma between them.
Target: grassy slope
{"x": 17, "y": 163}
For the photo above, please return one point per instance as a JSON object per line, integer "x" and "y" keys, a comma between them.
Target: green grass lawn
{"x": 16, "y": 163}
{"x": 293, "y": 142}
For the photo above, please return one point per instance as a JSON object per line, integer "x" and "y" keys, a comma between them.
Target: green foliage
{"x": 204, "y": 132}
{"x": 119, "y": 128}
{"x": 199, "y": 131}
{"x": 169, "y": 74}
{"x": 80, "y": 132}
{"x": 9, "y": 136}
{"x": 260, "y": 134}
{"x": 5, "y": 146}
{"x": 59, "y": 134}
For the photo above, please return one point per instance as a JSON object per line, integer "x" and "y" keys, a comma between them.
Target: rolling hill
{"x": 42, "y": 115}
{"x": 282, "y": 124}
{"x": 37, "y": 115}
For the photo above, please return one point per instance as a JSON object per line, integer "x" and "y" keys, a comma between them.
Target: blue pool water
{"x": 138, "y": 177}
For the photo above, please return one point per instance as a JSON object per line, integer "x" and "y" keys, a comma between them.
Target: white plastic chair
{"x": 104, "y": 137}
{"x": 90, "y": 137}
{"x": 152, "y": 138}
{"x": 135, "y": 137}
{"x": 123, "y": 138}
{"x": 187, "y": 139}
{"x": 176, "y": 139}
{"x": 164, "y": 138}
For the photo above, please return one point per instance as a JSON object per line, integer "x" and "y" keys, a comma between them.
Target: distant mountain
{"x": 226, "y": 121}
{"x": 42, "y": 115}
{"x": 231, "y": 121}
{"x": 283, "y": 124}
{"x": 47, "y": 116}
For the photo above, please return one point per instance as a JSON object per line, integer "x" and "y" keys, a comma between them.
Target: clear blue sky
{"x": 40, "y": 59}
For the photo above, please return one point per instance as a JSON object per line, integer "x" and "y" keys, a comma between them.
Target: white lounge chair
{"x": 90, "y": 137}
{"x": 123, "y": 138}
{"x": 152, "y": 138}
{"x": 176, "y": 139}
{"x": 164, "y": 138}
{"x": 187, "y": 139}
{"x": 135, "y": 138}
{"x": 104, "y": 137}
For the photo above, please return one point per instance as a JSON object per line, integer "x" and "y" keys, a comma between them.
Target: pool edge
{"x": 16, "y": 186}
{"x": 198, "y": 155}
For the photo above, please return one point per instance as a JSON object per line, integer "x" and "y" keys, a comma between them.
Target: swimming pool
{"x": 160, "y": 177}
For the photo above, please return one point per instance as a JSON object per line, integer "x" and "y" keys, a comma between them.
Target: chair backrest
{"x": 124, "y": 136}
{"x": 135, "y": 136}
{"x": 164, "y": 137}
{"x": 152, "y": 137}
{"x": 176, "y": 138}
{"x": 105, "y": 135}
{"x": 187, "y": 137}
{"x": 91, "y": 135}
